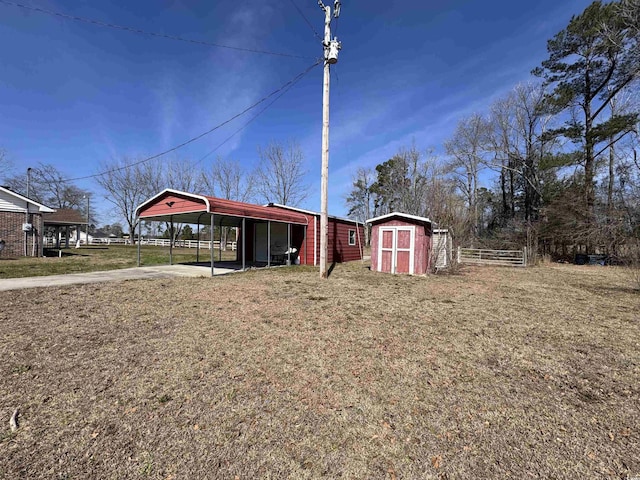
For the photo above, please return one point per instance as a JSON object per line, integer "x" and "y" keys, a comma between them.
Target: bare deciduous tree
{"x": 518, "y": 124}
{"x": 5, "y": 165}
{"x": 361, "y": 199}
{"x": 467, "y": 150}
{"x": 227, "y": 179}
{"x": 280, "y": 174}
{"x": 47, "y": 185}
{"x": 127, "y": 185}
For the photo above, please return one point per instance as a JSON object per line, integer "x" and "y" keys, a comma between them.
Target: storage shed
{"x": 401, "y": 243}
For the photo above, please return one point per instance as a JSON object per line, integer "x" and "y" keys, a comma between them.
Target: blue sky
{"x": 74, "y": 94}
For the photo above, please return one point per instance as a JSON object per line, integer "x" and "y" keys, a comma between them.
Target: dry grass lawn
{"x": 494, "y": 373}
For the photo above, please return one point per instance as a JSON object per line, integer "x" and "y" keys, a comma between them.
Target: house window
{"x": 352, "y": 237}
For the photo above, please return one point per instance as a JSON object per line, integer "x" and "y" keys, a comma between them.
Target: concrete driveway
{"x": 161, "y": 271}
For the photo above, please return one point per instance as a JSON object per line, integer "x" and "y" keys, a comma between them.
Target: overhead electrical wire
{"x": 296, "y": 80}
{"x": 284, "y": 88}
{"x": 306, "y": 20}
{"x": 144, "y": 32}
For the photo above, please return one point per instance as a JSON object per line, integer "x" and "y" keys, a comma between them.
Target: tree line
{"x": 553, "y": 164}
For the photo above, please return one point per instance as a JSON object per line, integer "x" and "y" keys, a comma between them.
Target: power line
{"x": 144, "y": 32}
{"x": 282, "y": 89}
{"x": 306, "y": 20}
{"x": 296, "y": 80}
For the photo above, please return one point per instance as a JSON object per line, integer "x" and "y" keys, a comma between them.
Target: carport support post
{"x": 171, "y": 240}
{"x": 268, "y": 243}
{"x": 198, "y": 244}
{"x": 220, "y": 242}
{"x": 212, "y": 259}
{"x": 288, "y": 244}
{"x": 139, "y": 237}
{"x": 243, "y": 228}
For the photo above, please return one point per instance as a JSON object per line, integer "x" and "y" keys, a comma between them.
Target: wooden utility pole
{"x": 331, "y": 48}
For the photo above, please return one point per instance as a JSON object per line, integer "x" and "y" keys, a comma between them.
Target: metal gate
{"x": 483, "y": 256}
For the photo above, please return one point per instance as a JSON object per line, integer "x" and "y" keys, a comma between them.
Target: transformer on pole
{"x": 331, "y": 49}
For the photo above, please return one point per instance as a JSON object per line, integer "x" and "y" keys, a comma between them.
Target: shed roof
{"x": 190, "y": 208}
{"x": 64, "y": 216}
{"x": 404, "y": 216}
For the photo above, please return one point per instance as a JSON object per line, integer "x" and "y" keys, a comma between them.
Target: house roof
{"x": 309, "y": 212}
{"x": 8, "y": 193}
{"x": 189, "y": 208}
{"x": 405, "y": 216}
{"x": 64, "y": 216}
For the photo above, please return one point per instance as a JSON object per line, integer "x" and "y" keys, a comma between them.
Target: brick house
{"x": 21, "y": 225}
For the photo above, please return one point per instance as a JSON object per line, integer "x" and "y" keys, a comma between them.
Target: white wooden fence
{"x": 481, "y": 256}
{"x": 206, "y": 245}
{"x": 158, "y": 242}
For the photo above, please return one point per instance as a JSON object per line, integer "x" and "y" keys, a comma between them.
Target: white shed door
{"x": 396, "y": 249}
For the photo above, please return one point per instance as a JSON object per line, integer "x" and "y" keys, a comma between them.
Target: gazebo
{"x": 63, "y": 218}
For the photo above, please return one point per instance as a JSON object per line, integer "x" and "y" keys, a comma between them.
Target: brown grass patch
{"x": 494, "y": 373}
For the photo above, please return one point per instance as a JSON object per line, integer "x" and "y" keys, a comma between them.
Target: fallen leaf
{"x": 436, "y": 461}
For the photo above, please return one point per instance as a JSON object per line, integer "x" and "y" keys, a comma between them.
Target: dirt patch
{"x": 496, "y": 373}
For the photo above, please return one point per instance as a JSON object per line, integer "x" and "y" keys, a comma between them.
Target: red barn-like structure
{"x": 345, "y": 237}
{"x": 267, "y": 234}
{"x": 401, "y": 243}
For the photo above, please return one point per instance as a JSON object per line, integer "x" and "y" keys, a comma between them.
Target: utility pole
{"x": 26, "y": 217}
{"x": 28, "y": 181}
{"x": 331, "y": 48}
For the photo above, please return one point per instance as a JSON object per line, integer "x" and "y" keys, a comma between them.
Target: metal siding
{"x": 339, "y": 248}
{"x": 180, "y": 205}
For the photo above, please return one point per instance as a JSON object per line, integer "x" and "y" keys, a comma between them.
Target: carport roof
{"x": 187, "y": 207}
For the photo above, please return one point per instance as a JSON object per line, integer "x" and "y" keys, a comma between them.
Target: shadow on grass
{"x": 333, "y": 265}
{"x": 62, "y": 253}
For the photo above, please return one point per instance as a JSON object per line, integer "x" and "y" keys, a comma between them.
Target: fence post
{"x": 524, "y": 256}
{"x": 459, "y": 254}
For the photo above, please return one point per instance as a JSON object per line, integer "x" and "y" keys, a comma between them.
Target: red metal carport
{"x": 255, "y": 221}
